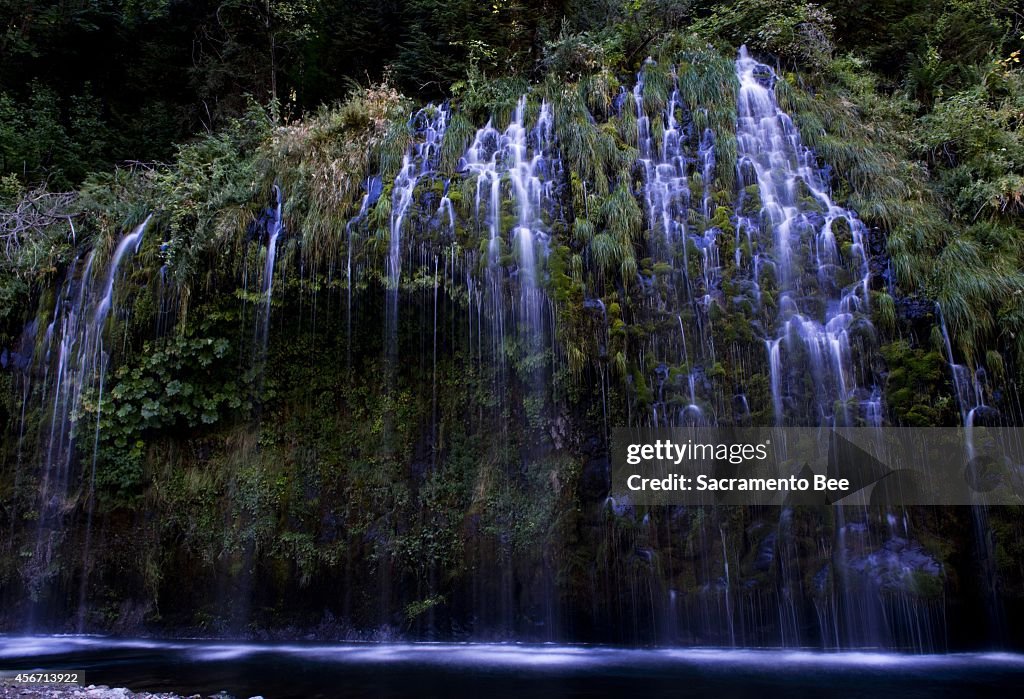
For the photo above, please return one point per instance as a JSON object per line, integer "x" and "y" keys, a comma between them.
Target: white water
{"x": 420, "y": 161}
{"x": 274, "y": 227}
{"x": 79, "y": 368}
{"x": 526, "y": 159}
{"x": 666, "y": 186}
{"x": 816, "y": 310}
{"x": 665, "y": 169}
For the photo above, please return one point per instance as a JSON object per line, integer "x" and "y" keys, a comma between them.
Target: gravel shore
{"x": 9, "y": 690}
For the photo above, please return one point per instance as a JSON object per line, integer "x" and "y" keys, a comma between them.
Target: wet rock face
{"x": 899, "y": 565}
{"x": 878, "y": 260}
{"x": 917, "y": 313}
{"x": 916, "y": 309}
{"x": 595, "y": 477}
{"x": 765, "y": 558}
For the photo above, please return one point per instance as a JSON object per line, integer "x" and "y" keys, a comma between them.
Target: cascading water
{"x": 373, "y": 187}
{"x": 665, "y": 170}
{"x": 968, "y": 386}
{"x": 969, "y": 391}
{"x": 481, "y": 161}
{"x": 533, "y": 184}
{"x": 747, "y": 576}
{"x": 707, "y": 244}
{"x": 820, "y": 285}
{"x": 809, "y": 255}
{"x": 81, "y": 361}
{"x": 526, "y": 159}
{"x": 518, "y": 166}
{"x": 666, "y": 189}
{"x": 420, "y": 160}
{"x": 274, "y": 228}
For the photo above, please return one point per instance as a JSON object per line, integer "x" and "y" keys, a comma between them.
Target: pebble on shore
{"x": 9, "y": 690}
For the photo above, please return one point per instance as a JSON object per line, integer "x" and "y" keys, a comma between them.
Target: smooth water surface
{"x": 495, "y": 671}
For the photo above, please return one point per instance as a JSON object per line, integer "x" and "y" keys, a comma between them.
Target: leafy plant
{"x": 179, "y": 383}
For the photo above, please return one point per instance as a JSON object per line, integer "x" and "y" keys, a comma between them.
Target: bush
{"x": 795, "y": 30}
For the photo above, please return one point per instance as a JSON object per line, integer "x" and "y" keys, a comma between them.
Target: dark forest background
{"x": 88, "y": 83}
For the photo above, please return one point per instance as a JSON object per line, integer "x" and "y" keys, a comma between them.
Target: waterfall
{"x": 969, "y": 391}
{"x": 79, "y": 364}
{"x": 665, "y": 171}
{"x": 666, "y": 189}
{"x": 707, "y": 243}
{"x": 274, "y": 227}
{"x": 527, "y": 160}
{"x": 532, "y": 184}
{"x": 516, "y": 174}
{"x": 809, "y": 275}
{"x": 481, "y": 161}
{"x": 728, "y": 589}
{"x": 420, "y": 160}
{"x": 373, "y": 187}
{"x": 462, "y": 340}
{"x": 821, "y": 286}
{"x": 968, "y": 386}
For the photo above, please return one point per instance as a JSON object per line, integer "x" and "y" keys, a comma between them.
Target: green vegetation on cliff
{"x": 306, "y": 476}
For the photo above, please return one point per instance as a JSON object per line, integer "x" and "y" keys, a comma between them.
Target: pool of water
{"x": 499, "y": 671}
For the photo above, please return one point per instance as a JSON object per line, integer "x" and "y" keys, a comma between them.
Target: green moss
{"x": 916, "y": 392}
